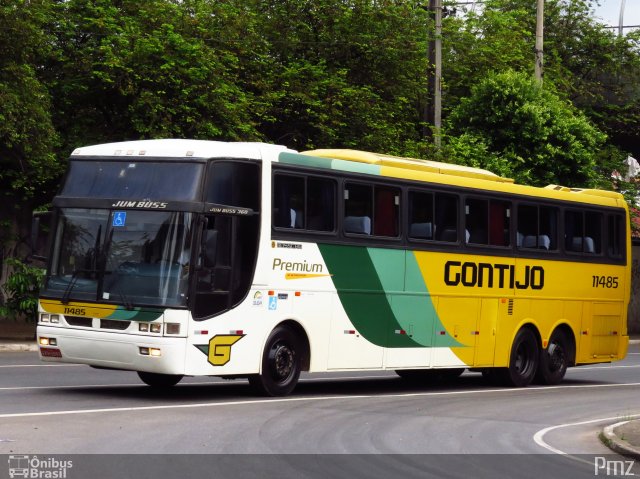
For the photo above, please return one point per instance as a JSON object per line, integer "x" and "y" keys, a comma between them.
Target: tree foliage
{"x": 27, "y": 134}
{"x": 515, "y": 126}
{"x": 327, "y": 73}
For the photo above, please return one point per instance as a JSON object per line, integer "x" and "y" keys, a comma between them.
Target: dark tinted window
{"x": 233, "y": 183}
{"x": 487, "y": 222}
{"x": 304, "y": 203}
{"x": 583, "y": 232}
{"x": 371, "y": 210}
{"x": 616, "y": 235}
{"x": 537, "y": 227}
{"x": 169, "y": 181}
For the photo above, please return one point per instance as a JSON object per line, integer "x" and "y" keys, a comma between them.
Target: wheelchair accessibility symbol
{"x": 119, "y": 218}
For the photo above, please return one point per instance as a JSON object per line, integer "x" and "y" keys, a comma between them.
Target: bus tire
{"x": 523, "y": 362}
{"x": 281, "y": 364}
{"x": 554, "y": 359}
{"x": 160, "y": 380}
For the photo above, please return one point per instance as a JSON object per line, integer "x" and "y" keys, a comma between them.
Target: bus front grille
{"x": 112, "y": 324}
{"x": 79, "y": 321}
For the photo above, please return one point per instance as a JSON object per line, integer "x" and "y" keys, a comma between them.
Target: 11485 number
{"x": 604, "y": 281}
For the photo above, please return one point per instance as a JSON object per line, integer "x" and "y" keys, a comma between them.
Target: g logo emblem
{"x": 220, "y": 348}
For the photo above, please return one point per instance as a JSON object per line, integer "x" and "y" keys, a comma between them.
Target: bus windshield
{"x": 125, "y": 257}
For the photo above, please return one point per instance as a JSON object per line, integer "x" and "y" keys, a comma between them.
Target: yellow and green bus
{"x": 181, "y": 257}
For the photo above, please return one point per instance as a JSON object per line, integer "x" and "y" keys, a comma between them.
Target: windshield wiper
{"x": 125, "y": 300}
{"x": 74, "y": 278}
{"x": 72, "y": 283}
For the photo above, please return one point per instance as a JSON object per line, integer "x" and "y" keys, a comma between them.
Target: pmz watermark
{"x": 604, "y": 467}
{"x": 35, "y": 467}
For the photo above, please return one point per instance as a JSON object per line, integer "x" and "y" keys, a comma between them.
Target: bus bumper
{"x": 112, "y": 350}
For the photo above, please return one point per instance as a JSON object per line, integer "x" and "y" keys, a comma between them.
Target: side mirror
{"x": 40, "y": 229}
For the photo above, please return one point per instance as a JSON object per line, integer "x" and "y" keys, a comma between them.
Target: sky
{"x": 609, "y": 12}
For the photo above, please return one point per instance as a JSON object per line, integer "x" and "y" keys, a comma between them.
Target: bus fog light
{"x": 143, "y": 327}
{"x": 48, "y": 342}
{"x": 172, "y": 328}
{"x": 156, "y": 328}
{"x": 154, "y": 352}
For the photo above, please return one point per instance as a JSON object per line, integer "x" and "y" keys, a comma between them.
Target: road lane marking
{"x": 538, "y": 437}
{"x": 202, "y": 383}
{"x": 305, "y": 399}
{"x": 606, "y": 367}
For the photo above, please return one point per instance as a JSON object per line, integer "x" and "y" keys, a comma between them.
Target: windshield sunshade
{"x": 169, "y": 181}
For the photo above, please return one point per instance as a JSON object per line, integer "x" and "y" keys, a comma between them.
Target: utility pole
{"x": 621, "y": 20}
{"x": 540, "y": 41}
{"x": 433, "y": 112}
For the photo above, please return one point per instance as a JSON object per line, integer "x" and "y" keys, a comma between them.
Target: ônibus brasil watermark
{"x": 38, "y": 468}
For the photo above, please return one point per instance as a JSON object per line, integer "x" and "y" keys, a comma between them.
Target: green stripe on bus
{"x": 135, "y": 314}
{"x": 328, "y": 163}
{"x": 371, "y": 286}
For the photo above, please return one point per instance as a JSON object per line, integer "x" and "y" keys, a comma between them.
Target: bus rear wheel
{"x": 160, "y": 380}
{"x": 281, "y": 364}
{"x": 523, "y": 362}
{"x": 554, "y": 359}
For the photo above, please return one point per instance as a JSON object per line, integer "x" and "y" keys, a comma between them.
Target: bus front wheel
{"x": 281, "y": 364}
{"x": 160, "y": 380}
{"x": 523, "y": 362}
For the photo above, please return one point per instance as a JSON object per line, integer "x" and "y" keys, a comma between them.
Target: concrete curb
{"x": 17, "y": 347}
{"x": 611, "y": 439}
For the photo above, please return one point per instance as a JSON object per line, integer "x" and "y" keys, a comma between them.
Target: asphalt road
{"x": 338, "y": 423}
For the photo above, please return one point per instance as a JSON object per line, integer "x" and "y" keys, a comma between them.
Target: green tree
{"x": 584, "y": 62}
{"x": 27, "y": 135}
{"x": 516, "y": 128}
{"x": 146, "y": 70}
{"x": 344, "y": 74}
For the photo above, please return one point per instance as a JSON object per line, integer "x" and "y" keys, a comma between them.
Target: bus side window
{"x": 476, "y": 221}
{"x": 387, "y": 206}
{"x": 548, "y": 228}
{"x": 321, "y": 200}
{"x": 446, "y": 215}
{"x": 421, "y": 223}
{"x": 499, "y": 223}
{"x": 593, "y": 233}
{"x": 288, "y": 202}
{"x": 537, "y": 227}
{"x": 583, "y": 232}
{"x": 615, "y": 236}
{"x": 357, "y": 208}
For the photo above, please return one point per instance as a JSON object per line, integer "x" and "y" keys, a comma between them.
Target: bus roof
{"x": 426, "y": 170}
{"x": 177, "y": 148}
{"x": 409, "y": 163}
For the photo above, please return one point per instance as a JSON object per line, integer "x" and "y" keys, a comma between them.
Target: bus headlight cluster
{"x": 49, "y": 318}
{"x": 172, "y": 328}
{"x": 153, "y": 327}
